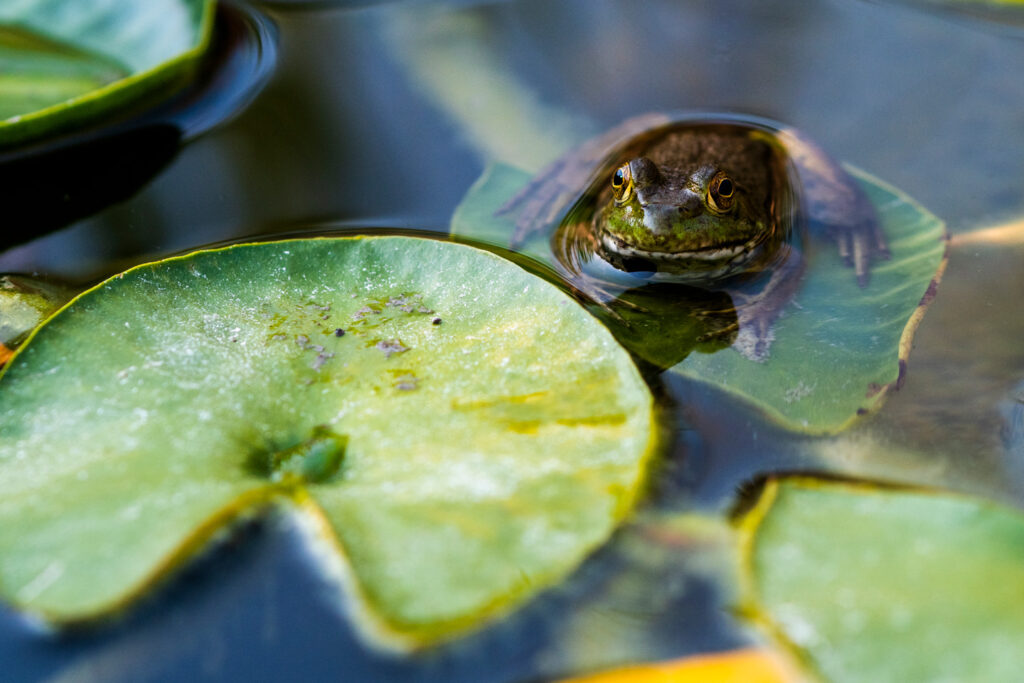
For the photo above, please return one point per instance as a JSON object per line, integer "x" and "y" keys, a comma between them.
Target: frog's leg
{"x": 757, "y": 310}
{"x": 548, "y": 197}
{"x": 834, "y": 203}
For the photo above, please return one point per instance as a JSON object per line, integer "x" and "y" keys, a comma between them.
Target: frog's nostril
{"x": 689, "y": 205}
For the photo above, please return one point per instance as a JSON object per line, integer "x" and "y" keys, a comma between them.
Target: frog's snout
{"x": 664, "y": 214}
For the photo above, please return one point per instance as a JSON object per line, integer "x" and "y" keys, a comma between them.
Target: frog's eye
{"x": 622, "y": 184}
{"x": 720, "y": 192}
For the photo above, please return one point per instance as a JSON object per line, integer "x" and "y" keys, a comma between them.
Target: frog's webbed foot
{"x": 754, "y": 339}
{"x": 836, "y": 205}
{"x": 758, "y": 310}
{"x": 859, "y": 245}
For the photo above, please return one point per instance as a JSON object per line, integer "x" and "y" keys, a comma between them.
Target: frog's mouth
{"x": 734, "y": 253}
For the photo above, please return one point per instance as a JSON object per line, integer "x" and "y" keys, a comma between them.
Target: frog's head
{"x": 698, "y": 217}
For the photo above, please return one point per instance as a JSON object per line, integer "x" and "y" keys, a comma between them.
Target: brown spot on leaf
{"x": 320, "y": 359}
{"x": 408, "y": 304}
{"x": 873, "y": 389}
{"x": 365, "y": 311}
{"x": 929, "y": 294}
{"x": 902, "y": 377}
{"x": 390, "y": 347}
{"x": 407, "y": 383}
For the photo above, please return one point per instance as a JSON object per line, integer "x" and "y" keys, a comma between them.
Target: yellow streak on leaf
{"x": 738, "y": 666}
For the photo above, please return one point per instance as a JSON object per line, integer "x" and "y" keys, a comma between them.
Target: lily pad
{"x": 838, "y": 349}
{"x": 63, "y": 62}
{"x": 887, "y": 584}
{"x": 24, "y": 304}
{"x": 459, "y": 432}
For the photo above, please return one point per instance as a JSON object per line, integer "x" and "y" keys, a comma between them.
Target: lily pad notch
{"x": 450, "y": 481}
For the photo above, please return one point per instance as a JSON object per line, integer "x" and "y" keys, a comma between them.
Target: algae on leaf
{"x": 458, "y": 430}
{"x": 63, "y": 62}
{"x": 887, "y": 584}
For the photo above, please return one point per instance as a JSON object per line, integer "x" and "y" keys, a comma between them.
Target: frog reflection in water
{"x": 720, "y": 204}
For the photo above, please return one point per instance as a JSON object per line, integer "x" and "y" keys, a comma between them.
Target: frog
{"x": 725, "y": 203}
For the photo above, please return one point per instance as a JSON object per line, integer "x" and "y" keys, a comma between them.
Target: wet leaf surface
{"x": 446, "y": 482}
{"x": 875, "y": 583}
{"x": 65, "y": 61}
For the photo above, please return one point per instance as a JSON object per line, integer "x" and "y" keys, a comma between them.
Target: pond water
{"x": 382, "y": 115}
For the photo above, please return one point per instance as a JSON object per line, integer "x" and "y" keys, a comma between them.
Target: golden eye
{"x": 622, "y": 184}
{"x": 720, "y": 192}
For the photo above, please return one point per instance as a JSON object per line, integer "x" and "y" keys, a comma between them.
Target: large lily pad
{"x": 884, "y": 584}
{"x": 65, "y": 61}
{"x": 838, "y": 349}
{"x": 456, "y": 429}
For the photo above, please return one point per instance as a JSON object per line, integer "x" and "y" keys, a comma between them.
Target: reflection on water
{"x": 53, "y": 183}
{"x": 344, "y": 132}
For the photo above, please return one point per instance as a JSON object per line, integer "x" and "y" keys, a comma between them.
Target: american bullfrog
{"x": 719, "y": 203}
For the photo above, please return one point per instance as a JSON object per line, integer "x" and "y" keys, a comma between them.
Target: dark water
{"x": 347, "y": 133}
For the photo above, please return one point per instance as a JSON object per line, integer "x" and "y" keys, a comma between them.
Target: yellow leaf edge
{"x": 746, "y": 665}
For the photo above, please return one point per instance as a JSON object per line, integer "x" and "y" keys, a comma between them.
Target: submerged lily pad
{"x": 459, "y": 431}
{"x": 24, "y": 304}
{"x": 838, "y": 349}
{"x": 888, "y": 584}
{"x": 65, "y": 61}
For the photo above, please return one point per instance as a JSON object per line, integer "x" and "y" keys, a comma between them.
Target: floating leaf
{"x": 459, "y": 431}
{"x": 739, "y": 666}
{"x": 65, "y": 61}
{"x": 24, "y": 304}
{"x": 888, "y": 584}
{"x": 838, "y": 349}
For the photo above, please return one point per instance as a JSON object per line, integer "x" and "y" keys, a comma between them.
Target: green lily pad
{"x": 888, "y": 584}
{"x": 459, "y": 432}
{"x": 838, "y": 349}
{"x": 63, "y": 62}
{"x": 24, "y": 304}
